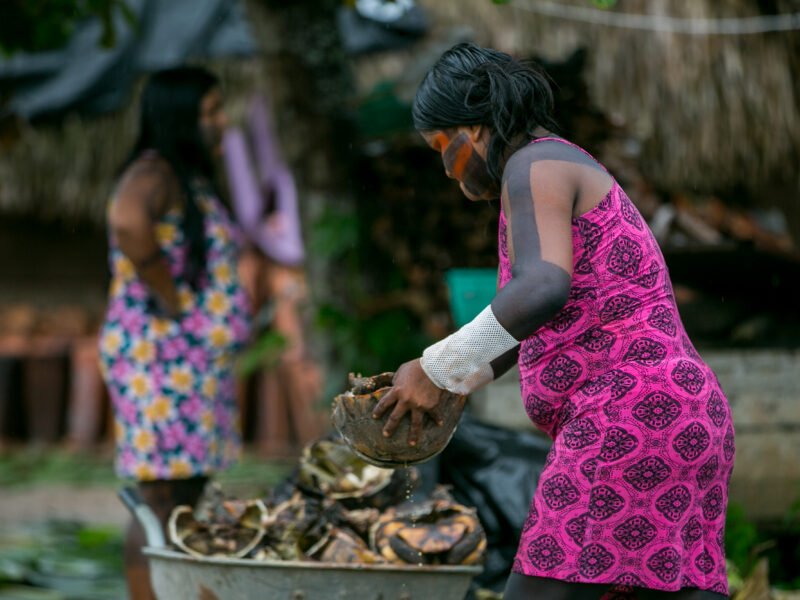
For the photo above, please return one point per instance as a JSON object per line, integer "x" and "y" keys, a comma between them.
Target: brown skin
{"x": 147, "y": 190}
{"x": 295, "y": 383}
{"x": 213, "y": 121}
{"x": 562, "y": 191}
{"x": 162, "y": 497}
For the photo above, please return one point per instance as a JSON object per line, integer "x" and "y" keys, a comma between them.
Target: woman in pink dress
{"x": 633, "y": 495}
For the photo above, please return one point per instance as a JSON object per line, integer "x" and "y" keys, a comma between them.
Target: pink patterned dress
{"x": 171, "y": 381}
{"x": 634, "y": 490}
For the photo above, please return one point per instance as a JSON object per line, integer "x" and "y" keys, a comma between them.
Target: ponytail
{"x": 470, "y": 85}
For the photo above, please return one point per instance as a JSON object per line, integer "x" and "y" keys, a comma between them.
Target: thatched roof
{"x": 712, "y": 111}
{"x": 66, "y": 170}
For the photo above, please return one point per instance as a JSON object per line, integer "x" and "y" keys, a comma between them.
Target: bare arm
{"x": 538, "y": 198}
{"x": 544, "y": 186}
{"x": 144, "y": 194}
{"x": 504, "y": 362}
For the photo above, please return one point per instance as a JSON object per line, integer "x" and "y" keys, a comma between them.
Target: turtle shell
{"x": 332, "y": 468}
{"x": 436, "y": 531}
{"x": 352, "y": 417}
{"x": 343, "y": 547}
{"x": 235, "y": 536}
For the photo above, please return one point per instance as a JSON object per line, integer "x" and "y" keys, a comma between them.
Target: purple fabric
{"x": 635, "y": 487}
{"x": 257, "y": 175}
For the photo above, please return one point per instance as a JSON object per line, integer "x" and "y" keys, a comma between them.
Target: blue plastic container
{"x": 471, "y": 290}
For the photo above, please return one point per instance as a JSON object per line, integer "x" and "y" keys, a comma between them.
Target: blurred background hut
{"x": 690, "y": 105}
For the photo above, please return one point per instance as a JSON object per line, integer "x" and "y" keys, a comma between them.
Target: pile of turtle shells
{"x": 334, "y": 508}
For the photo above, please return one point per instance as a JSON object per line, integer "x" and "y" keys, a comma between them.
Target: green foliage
{"x": 27, "y": 468}
{"x": 741, "y": 535}
{"x": 597, "y": 3}
{"x": 32, "y": 467}
{"x": 263, "y": 353}
{"x": 746, "y": 542}
{"x": 43, "y": 25}
{"x": 371, "y": 344}
{"x": 790, "y": 556}
{"x": 69, "y": 559}
{"x": 381, "y": 113}
{"x": 363, "y": 338}
{"x": 335, "y": 234}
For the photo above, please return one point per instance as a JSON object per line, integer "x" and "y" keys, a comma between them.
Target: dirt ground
{"x": 89, "y": 504}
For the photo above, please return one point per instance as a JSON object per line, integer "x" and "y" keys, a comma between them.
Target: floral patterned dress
{"x": 635, "y": 486}
{"x": 171, "y": 381}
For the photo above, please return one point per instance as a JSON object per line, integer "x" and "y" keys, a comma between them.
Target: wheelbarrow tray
{"x": 178, "y": 576}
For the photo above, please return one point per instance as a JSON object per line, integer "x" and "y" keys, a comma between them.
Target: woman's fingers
{"x": 400, "y": 409}
{"x": 417, "y": 417}
{"x": 437, "y": 415}
{"x": 384, "y": 403}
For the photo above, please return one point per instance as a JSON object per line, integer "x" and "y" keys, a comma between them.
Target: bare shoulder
{"x": 560, "y": 159}
{"x": 549, "y": 150}
{"x": 555, "y": 162}
{"x": 147, "y": 185}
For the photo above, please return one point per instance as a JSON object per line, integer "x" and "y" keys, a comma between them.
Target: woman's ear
{"x": 476, "y": 133}
{"x": 479, "y": 136}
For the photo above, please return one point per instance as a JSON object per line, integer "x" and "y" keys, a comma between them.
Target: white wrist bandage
{"x": 460, "y": 362}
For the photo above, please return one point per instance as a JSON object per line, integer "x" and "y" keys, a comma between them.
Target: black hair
{"x": 169, "y": 124}
{"x": 471, "y": 85}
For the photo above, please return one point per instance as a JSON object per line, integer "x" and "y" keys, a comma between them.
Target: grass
{"x": 70, "y": 560}
{"x": 28, "y": 467}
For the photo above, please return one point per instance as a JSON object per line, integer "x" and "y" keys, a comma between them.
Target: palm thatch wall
{"x": 711, "y": 111}
{"x": 65, "y": 171}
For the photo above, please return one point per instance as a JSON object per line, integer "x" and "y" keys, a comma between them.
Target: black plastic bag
{"x": 496, "y": 470}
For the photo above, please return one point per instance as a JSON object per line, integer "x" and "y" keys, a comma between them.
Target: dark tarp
{"x": 87, "y": 78}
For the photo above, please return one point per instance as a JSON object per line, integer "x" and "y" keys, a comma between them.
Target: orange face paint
{"x": 464, "y": 164}
{"x": 440, "y": 142}
{"x": 460, "y": 161}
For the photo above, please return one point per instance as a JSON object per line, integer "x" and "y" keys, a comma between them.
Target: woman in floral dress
{"x": 177, "y": 313}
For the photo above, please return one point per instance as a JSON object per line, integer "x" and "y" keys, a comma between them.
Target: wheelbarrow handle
{"x": 153, "y": 530}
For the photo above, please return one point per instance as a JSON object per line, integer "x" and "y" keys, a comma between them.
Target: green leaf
{"x": 741, "y": 535}
{"x": 128, "y": 14}
{"x": 265, "y": 352}
{"x": 12, "y": 570}
{"x": 98, "y": 536}
{"x": 24, "y": 592}
{"x": 334, "y": 233}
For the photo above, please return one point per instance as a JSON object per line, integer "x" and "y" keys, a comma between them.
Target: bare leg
{"x": 136, "y": 572}
{"x": 523, "y": 587}
{"x": 161, "y": 497}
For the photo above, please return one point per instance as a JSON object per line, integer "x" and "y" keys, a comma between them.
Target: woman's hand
{"x": 146, "y": 191}
{"x": 412, "y": 391}
{"x": 249, "y": 269}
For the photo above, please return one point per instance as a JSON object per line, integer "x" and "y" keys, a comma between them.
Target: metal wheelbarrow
{"x": 178, "y": 576}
